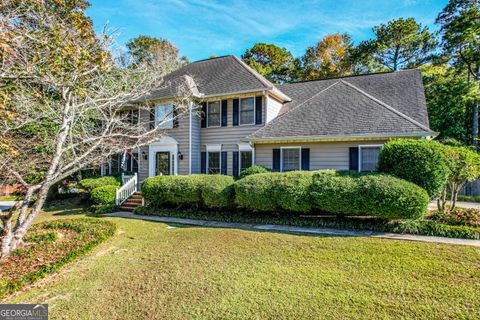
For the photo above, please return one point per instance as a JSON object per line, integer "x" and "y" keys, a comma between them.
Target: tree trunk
{"x": 475, "y": 112}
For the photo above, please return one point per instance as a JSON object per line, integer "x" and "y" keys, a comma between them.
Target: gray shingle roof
{"x": 216, "y": 76}
{"x": 377, "y": 105}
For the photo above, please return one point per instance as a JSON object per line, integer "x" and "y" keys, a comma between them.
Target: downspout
{"x": 190, "y": 139}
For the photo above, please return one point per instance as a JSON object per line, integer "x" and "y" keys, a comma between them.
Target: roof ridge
{"x": 211, "y": 58}
{"x": 295, "y": 108}
{"x": 351, "y": 76}
{"x": 387, "y": 106}
{"x": 257, "y": 75}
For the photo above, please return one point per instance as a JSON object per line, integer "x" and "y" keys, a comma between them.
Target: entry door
{"x": 162, "y": 166}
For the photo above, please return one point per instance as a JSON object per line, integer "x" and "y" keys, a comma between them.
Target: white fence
{"x": 129, "y": 187}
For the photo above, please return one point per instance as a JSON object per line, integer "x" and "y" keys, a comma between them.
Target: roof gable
{"x": 215, "y": 77}
{"x": 338, "y": 109}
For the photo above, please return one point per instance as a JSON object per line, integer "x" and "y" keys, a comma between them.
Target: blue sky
{"x": 202, "y": 28}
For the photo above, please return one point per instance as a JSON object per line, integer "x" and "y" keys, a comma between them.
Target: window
{"x": 290, "y": 159}
{"x": 133, "y": 116}
{"x": 214, "y": 162}
{"x": 246, "y": 159}
{"x": 369, "y": 157}
{"x": 213, "y": 114}
{"x": 164, "y": 116}
{"x": 247, "y": 111}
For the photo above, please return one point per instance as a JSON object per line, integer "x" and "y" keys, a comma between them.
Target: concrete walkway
{"x": 304, "y": 230}
{"x": 461, "y": 204}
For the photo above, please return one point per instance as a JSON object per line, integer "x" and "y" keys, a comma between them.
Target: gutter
{"x": 326, "y": 138}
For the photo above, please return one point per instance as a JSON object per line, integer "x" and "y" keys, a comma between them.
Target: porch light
{"x": 144, "y": 155}
{"x": 180, "y": 156}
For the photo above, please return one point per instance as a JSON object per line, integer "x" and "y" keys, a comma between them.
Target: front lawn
{"x": 149, "y": 270}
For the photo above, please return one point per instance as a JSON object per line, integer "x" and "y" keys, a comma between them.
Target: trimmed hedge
{"x": 275, "y": 192}
{"x": 26, "y": 268}
{"x": 296, "y": 192}
{"x": 253, "y": 170}
{"x": 422, "y": 162}
{"x": 92, "y": 183}
{"x": 217, "y": 192}
{"x": 103, "y": 195}
{"x": 301, "y": 191}
{"x": 375, "y": 195}
{"x": 210, "y": 191}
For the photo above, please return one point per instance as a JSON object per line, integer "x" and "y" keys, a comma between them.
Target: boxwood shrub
{"x": 217, "y": 191}
{"x": 253, "y": 170}
{"x": 275, "y": 191}
{"x": 92, "y": 183}
{"x": 375, "y": 195}
{"x": 103, "y": 195}
{"x": 198, "y": 190}
{"x": 422, "y": 162}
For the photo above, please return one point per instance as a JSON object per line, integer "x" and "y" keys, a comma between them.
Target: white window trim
{"x": 213, "y": 148}
{"x": 206, "y": 116}
{"x": 240, "y": 111}
{"x": 245, "y": 147}
{"x": 299, "y": 158}
{"x": 360, "y": 152}
{"x": 157, "y": 122}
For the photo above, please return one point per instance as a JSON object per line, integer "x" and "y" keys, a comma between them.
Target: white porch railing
{"x": 129, "y": 187}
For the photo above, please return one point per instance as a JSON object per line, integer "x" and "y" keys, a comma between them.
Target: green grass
{"x": 10, "y": 198}
{"x": 420, "y": 226}
{"x": 149, "y": 271}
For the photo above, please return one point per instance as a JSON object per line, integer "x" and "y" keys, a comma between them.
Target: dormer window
{"x": 164, "y": 116}
{"x": 213, "y": 114}
{"x": 247, "y": 111}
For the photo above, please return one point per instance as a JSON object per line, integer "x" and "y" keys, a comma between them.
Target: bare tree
{"x": 63, "y": 106}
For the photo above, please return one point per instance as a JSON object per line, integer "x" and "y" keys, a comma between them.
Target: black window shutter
{"x": 305, "y": 159}
{"x": 236, "y": 112}
{"x": 175, "y": 117}
{"x": 353, "y": 159}
{"x": 236, "y": 169}
{"x": 224, "y": 163}
{"x": 276, "y": 160}
{"x": 224, "y": 113}
{"x": 258, "y": 110}
{"x": 204, "y": 115}
{"x": 152, "y": 117}
{"x": 203, "y": 163}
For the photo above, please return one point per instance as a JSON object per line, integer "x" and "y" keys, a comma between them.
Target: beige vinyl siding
{"x": 273, "y": 108}
{"x": 230, "y": 134}
{"x": 323, "y": 155}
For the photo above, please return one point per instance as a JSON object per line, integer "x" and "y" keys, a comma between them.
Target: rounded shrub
{"x": 92, "y": 183}
{"x": 368, "y": 195}
{"x": 391, "y": 198}
{"x": 275, "y": 192}
{"x": 334, "y": 193}
{"x": 173, "y": 190}
{"x": 103, "y": 195}
{"x": 217, "y": 192}
{"x": 253, "y": 170}
{"x": 422, "y": 162}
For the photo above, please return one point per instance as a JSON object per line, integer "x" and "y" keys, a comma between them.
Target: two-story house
{"x": 244, "y": 119}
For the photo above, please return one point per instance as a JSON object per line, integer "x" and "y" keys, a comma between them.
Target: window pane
{"x": 213, "y": 114}
{"x": 370, "y": 158}
{"x": 164, "y": 116}
{"x": 214, "y": 162}
{"x": 247, "y": 111}
{"x": 245, "y": 159}
{"x": 290, "y": 159}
